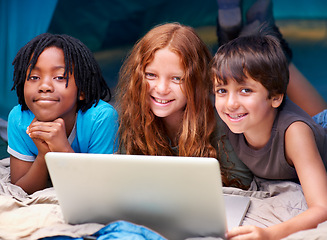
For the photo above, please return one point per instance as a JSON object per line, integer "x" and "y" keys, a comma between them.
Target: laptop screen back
{"x": 179, "y": 197}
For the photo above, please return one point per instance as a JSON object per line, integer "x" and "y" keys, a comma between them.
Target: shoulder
{"x": 16, "y": 111}
{"x": 297, "y": 134}
{"x": 300, "y": 143}
{"x": 291, "y": 113}
{"x": 291, "y": 109}
{"x": 102, "y": 109}
{"x": 293, "y": 117}
{"x": 17, "y": 115}
{"x": 297, "y": 124}
{"x": 102, "y": 114}
{"x": 298, "y": 128}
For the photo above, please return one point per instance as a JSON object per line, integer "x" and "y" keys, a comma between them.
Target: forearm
{"x": 306, "y": 220}
{"x": 36, "y": 178}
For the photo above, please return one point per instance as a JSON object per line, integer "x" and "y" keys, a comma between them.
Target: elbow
{"x": 322, "y": 210}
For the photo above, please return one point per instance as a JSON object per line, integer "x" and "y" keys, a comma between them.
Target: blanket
{"x": 38, "y": 215}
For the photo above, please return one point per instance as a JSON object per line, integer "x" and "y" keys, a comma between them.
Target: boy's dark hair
{"x": 78, "y": 60}
{"x": 259, "y": 56}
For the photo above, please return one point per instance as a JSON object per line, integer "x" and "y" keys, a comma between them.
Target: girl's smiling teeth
{"x": 236, "y": 116}
{"x": 158, "y": 100}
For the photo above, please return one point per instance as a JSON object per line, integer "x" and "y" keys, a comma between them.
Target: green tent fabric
{"x": 104, "y": 24}
{"x": 20, "y": 21}
{"x": 107, "y": 24}
{"x": 111, "y": 24}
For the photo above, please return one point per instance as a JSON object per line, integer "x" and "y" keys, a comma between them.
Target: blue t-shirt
{"x": 95, "y": 131}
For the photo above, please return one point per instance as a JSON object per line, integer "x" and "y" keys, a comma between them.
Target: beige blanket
{"x": 38, "y": 215}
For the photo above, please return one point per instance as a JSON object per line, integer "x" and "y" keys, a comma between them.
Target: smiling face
{"x": 164, "y": 76}
{"x": 46, "y": 93}
{"x": 245, "y": 107}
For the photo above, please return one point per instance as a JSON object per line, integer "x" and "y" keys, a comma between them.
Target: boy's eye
{"x": 220, "y": 91}
{"x": 60, "y": 78}
{"x": 150, "y": 76}
{"x": 33, "y": 78}
{"x": 246, "y": 90}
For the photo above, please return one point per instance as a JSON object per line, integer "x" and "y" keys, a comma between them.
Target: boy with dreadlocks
{"x": 61, "y": 94}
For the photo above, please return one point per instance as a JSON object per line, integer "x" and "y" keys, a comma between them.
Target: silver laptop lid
{"x": 179, "y": 197}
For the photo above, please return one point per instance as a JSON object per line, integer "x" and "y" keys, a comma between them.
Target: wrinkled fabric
{"x": 117, "y": 230}
{"x": 37, "y": 216}
{"x": 321, "y": 118}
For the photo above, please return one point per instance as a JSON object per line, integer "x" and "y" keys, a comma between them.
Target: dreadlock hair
{"x": 79, "y": 61}
{"x": 141, "y": 132}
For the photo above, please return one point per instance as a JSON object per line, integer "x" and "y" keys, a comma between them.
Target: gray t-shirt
{"x": 269, "y": 162}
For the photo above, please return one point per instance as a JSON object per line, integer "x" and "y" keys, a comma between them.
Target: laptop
{"x": 178, "y": 197}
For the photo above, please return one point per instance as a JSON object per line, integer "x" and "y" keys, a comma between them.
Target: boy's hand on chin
{"x": 52, "y": 134}
{"x": 42, "y": 146}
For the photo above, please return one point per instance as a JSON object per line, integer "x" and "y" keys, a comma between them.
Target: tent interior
{"x": 110, "y": 28}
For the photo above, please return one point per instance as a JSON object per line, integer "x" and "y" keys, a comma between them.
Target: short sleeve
{"x": 20, "y": 145}
{"x": 97, "y": 129}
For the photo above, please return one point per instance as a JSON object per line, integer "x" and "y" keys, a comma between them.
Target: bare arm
{"x": 301, "y": 92}
{"x": 30, "y": 176}
{"x": 48, "y": 137}
{"x": 301, "y": 151}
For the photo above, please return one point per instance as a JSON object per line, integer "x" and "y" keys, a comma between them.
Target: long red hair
{"x": 141, "y": 132}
